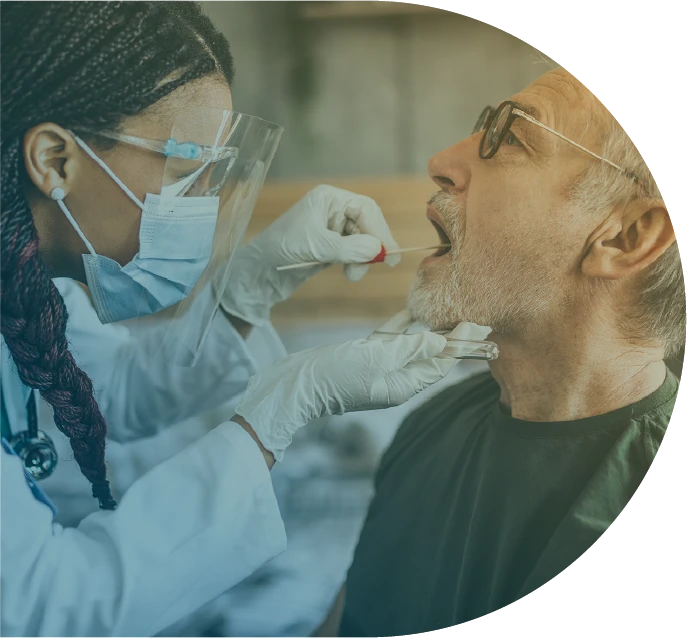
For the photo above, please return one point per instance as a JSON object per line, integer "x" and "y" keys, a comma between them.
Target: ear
{"x": 51, "y": 158}
{"x": 631, "y": 239}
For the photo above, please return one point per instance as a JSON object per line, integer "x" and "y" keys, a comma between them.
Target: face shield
{"x": 215, "y": 163}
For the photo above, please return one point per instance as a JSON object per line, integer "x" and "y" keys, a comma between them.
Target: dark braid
{"x": 77, "y": 64}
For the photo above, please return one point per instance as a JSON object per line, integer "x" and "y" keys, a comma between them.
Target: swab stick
{"x": 377, "y": 260}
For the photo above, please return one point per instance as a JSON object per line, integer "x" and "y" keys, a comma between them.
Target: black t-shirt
{"x": 475, "y": 509}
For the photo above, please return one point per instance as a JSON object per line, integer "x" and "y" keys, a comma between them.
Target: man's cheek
{"x": 488, "y": 227}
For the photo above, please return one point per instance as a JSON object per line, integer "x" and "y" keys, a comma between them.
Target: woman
{"x": 72, "y": 206}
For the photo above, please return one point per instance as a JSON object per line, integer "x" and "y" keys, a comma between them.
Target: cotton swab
{"x": 377, "y": 260}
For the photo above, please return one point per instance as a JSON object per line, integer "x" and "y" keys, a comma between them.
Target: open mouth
{"x": 444, "y": 240}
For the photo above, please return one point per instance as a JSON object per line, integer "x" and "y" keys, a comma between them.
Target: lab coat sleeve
{"x": 139, "y": 392}
{"x": 187, "y": 531}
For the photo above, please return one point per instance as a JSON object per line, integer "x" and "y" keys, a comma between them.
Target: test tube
{"x": 479, "y": 350}
{"x": 463, "y": 349}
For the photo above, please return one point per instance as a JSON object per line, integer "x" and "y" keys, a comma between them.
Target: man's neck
{"x": 581, "y": 374}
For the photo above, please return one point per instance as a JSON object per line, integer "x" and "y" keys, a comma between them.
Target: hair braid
{"x": 88, "y": 64}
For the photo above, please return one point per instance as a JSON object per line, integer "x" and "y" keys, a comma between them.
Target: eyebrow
{"x": 529, "y": 109}
{"x": 532, "y": 111}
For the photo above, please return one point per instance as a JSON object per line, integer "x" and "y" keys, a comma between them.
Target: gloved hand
{"x": 366, "y": 374}
{"x": 328, "y": 225}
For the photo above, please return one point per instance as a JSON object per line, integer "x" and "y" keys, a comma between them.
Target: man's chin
{"x": 433, "y": 306}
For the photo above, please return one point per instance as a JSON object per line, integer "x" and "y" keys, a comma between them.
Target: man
{"x": 560, "y": 242}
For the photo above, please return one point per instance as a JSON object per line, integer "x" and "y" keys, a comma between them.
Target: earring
{"x": 57, "y": 194}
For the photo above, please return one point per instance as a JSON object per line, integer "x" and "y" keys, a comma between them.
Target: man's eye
{"x": 511, "y": 140}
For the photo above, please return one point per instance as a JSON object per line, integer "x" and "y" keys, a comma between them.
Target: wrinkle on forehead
{"x": 567, "y": 106}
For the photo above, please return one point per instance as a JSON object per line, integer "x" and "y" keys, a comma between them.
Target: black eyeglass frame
{"x": 490, "y": 115}
{"x": 484, "y": 119}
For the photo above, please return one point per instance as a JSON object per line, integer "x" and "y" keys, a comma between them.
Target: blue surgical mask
{"x": 175, "y": 245}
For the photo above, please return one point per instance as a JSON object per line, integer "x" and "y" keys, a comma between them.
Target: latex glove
{"x": 366, "y": 374}
{"x": 329, "y": 225}
{"x": 461, "y": 337}
{"x": 470, "y": 332}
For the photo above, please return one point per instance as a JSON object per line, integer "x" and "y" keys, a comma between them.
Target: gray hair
{"x": 659, "y": 314}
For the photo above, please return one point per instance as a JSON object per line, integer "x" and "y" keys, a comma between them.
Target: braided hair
{"x": 79, "y": 64}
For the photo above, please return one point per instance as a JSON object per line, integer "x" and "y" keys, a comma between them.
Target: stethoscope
{"x": 33, "y": 446}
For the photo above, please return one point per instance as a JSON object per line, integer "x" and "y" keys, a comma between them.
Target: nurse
{"x": 125, "y": 168}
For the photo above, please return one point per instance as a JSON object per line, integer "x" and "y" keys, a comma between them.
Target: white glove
{"x": 329, "y": 225}
{"x": 366, "y": 374}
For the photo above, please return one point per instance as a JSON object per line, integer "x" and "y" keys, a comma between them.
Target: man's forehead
{"x": 560, "y": 101}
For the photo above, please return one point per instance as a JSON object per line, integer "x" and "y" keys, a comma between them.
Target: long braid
{"x": 78, "y": 64}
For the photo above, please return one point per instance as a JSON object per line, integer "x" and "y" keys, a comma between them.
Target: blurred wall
{"x": 369, "y": 88}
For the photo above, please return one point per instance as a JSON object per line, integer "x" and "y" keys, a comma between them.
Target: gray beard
{"x": 500, "y": 291}
{"x": 497, "y": 287}
{"x": 438, "y": 304}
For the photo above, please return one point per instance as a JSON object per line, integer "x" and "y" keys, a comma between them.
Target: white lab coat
{"x": 188, "y": 530}
{"x": 95, "y": 346}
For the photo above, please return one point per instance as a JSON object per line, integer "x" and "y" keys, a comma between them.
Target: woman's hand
{"x": 366, "y": 374}
{"x": 268, "y": 456}
{"x": 329, "y": 225}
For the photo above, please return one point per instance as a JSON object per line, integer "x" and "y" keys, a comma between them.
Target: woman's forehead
{"x": 199, "y": 96}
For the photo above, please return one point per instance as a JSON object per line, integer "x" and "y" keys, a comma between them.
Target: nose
{"x": 450, "y": 168}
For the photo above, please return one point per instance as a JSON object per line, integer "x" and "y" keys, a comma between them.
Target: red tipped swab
{"x": 379, "y": 259}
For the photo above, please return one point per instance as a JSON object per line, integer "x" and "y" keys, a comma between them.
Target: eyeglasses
{"x": 170, "y": 147}
{"x": 496, "y": 125}
{"x": 191, "y": 167}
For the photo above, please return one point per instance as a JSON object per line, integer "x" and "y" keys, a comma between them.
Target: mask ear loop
{"x": 107, "y": 169}
{"x": 58, "y": 195}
